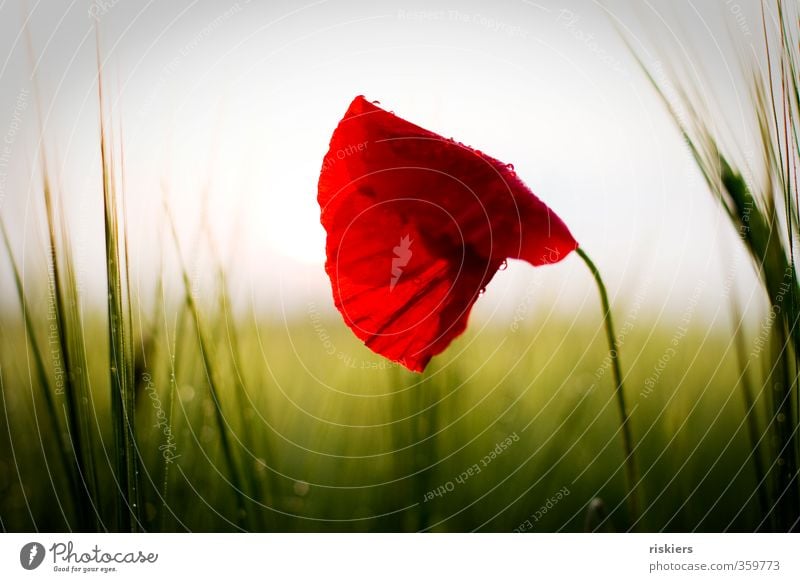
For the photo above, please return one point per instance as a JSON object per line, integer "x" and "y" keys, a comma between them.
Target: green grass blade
{"x": 47, "y": 389}
{"x": 211, "y": 377}
{"x": 121, "y": 365}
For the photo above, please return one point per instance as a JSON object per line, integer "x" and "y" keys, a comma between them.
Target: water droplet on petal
{"x": 503, "y": 266}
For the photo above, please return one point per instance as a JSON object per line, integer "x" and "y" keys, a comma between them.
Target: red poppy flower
{"x": 417, "y": 226}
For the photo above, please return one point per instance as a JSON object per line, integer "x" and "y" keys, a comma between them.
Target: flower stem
{"x": 631, "y": 471}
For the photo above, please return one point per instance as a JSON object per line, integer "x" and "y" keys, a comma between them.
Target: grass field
{"x": 371, "y": 456}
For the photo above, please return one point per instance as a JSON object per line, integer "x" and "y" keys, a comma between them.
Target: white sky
{"x": 241, "y": 98}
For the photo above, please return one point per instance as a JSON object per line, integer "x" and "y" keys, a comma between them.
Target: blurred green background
{"x": 366, "y": 458}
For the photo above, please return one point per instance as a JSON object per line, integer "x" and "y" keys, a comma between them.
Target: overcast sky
{"x": 236, "y": 101}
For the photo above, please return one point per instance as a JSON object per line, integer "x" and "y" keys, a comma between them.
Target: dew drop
{"x": 503, "y": 266}
{"x": 301, "y": 488}
{"x": 510, "y": 167}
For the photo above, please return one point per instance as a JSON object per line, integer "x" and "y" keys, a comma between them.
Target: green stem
{"x": 631, "y": 471}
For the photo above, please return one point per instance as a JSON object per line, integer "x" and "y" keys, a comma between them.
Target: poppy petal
{"x": 404, "y": 301}
{"x": 417, "y": 226}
